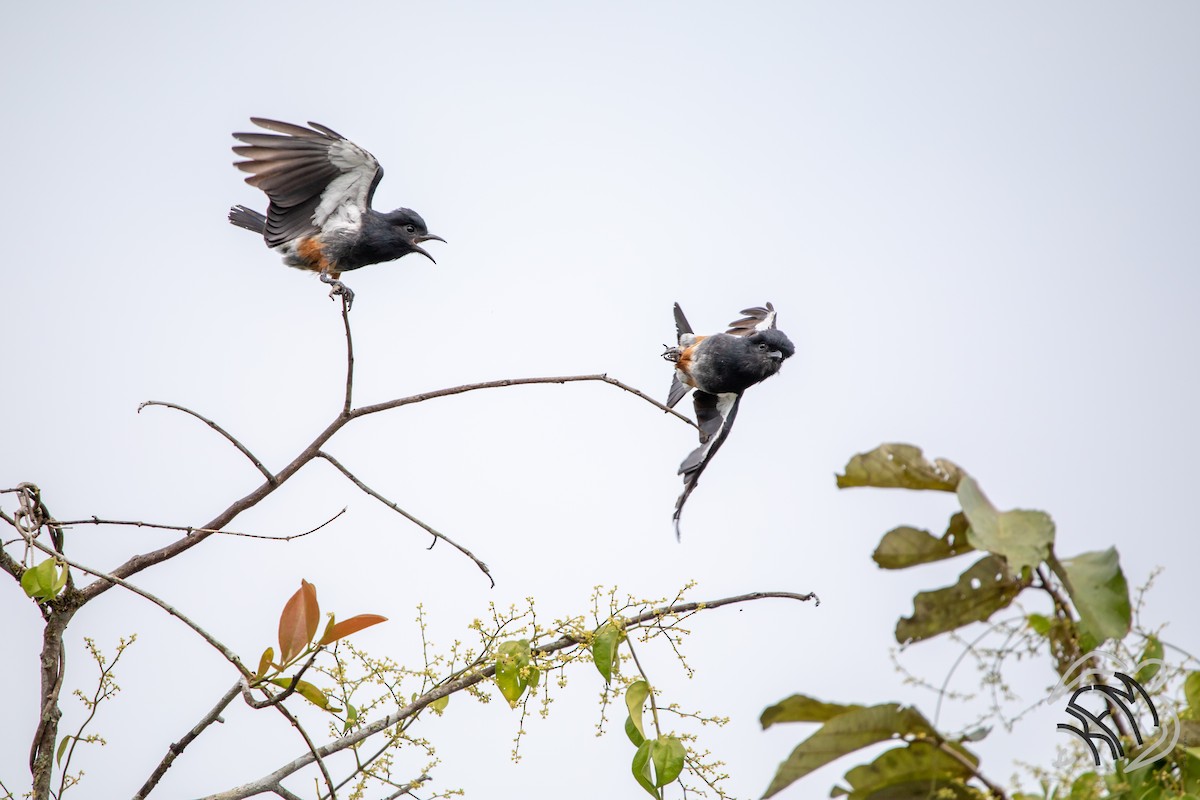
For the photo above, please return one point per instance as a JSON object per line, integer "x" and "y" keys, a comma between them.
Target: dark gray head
{"x": 773, "y": 344}
{"x": 412, "y": 229}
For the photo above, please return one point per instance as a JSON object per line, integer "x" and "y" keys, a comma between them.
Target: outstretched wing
{"x": 682, "y": 326}
{"x": 756, "y": 319}
{"x": 715, "y": 414}
{"x": 316, "y": 178}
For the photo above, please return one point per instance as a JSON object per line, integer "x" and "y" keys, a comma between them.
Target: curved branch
{"x": 229, "y": 655}
{"x": 435, "y": 534}
{"x": 362, "y": 411}
{"x": 145, "y": 560}
{"x": 246, "y": 452}
{"x": 467, "y": 680}
{"x": 190, "y": 531}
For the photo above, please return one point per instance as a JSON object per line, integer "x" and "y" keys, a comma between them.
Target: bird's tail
{"x": 248, "y": 218}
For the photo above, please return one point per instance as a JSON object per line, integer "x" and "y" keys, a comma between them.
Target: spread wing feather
{"x": 755, "y": 319}
{"x": 681, "y": 324}
{"x": 678, "y": 390}
{"x": 715, "y": 414}
{"x": 315, "y": 178}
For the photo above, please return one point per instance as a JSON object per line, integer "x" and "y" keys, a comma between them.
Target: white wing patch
{"x": 345, "y": 198}
{"x": 755, "y": 319}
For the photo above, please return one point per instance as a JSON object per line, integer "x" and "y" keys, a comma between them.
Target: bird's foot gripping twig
{"x": 339, "y": 288}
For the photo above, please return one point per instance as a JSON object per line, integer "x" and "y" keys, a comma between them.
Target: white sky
{"x": 979, "y": 226}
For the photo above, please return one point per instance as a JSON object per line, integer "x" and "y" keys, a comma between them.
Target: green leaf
{"x": 899, "y": 466}
{"x": 62, "y": 748}
{"x": 635, "y": 701}
{"x": 1151, "y": 652}
{"x": 635, "y": 736}
{"x": 1040, "y": 623}
{"x": 981, "y": 591}
{"x": 801, "y": 708}
{"x": 667, "y": 755}
{"x": 308, "y": 691}
{"x": 1022, "y": 537}
{"x": 514, "y": 668}
{"x": 44, "y": 581}
{"x": 906, "y": 547}
{"x": 1191, "y": 691}
{"x": 845, "y": 733}
{"x": 440, "y": 704}
{"x": 924, "y": 764}
{"x": 351, "y": 718}
{"x": 264, "y": 663}
{"x": 604, "y": 649}
{"x": 1101, "y": 596}
{"x": 641, "y": 768}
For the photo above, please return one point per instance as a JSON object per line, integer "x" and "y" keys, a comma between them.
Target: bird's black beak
{"x": 425, "y": 238}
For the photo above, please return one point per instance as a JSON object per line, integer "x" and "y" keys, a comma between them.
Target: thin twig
{"x": 190, "y": 530}
{"x": 436, "y": 534}
{"x": 362, "y": 411}
{"x": 408, "y": 787}
{"x": 465, "y": 681}
{"x": 349, "y": 356}
{"x": 312, "y": 748}
{"x": 996, "y": 791}
{"x": 274, "y": 700}
{"x": 145, "y": 560}
{"x": 230, "y": 656}
{"x": 649, "y": 685}
{"x": 177, "y": 748}
{"x": 245, "y": 451}
{"x": 103, "y": 692}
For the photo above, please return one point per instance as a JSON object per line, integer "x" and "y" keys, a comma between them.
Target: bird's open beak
{"x": 425, "y": 238}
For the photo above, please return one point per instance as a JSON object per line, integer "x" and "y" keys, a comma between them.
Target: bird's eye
{"x": 762, "y": 346}
{"x": 410, "y": 229}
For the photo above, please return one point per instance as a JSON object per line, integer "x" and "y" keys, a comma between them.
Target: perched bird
{"x": 720, "y": 368}
{"x": 320, "y": 218}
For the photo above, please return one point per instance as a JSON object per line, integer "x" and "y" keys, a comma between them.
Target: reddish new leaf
{"x": 353, "y": 625}
{"x": 298, "y": 622}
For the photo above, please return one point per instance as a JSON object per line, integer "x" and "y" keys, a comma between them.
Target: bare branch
{"x": 362, "y": 411}
{"x": 463, "y": 681}
{"x": 177, "y": 748}
{"x": 190, "y": 530}
{"x": 274, "y": 700}
{"x": 230, "y": 656}
{"x": 312, "y": 749}
{"x": 436, "y": 534}
{"x": 349, "y": 357}
{"x": 145, "y": 560}
{"x": 246, "y": 452}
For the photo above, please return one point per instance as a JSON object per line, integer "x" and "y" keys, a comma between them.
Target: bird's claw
{"x": 339, "y": 288}
{"x": 671, "y": 353}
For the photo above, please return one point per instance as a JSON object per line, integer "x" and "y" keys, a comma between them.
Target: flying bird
{"x": 721, "y": 368}
{"x": 320, "y": 218}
